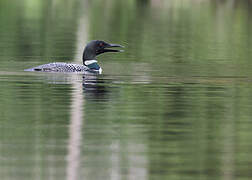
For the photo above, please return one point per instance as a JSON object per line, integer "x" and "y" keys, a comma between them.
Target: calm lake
{"x": 177, "y": 104}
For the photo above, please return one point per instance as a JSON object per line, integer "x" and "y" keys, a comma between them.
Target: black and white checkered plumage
{"x": 60, "y": 67}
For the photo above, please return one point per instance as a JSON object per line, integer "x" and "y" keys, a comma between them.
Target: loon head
{"x": 97, "y": 47}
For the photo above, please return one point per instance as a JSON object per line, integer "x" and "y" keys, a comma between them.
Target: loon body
{"x": 90, "y": 64}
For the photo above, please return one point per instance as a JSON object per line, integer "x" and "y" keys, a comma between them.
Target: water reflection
{"x": 77, "y": 109}
{"x": 75, "y": 133}
{"x": 95, "y": 89}
{"x": 94, "y": 86}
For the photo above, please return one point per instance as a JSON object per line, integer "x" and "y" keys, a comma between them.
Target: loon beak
{"x": 108, "y": 46}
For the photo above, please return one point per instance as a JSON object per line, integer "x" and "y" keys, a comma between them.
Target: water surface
{"x": 175, "y": 105}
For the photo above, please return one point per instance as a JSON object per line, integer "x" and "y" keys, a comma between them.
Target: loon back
{"x": 92, "y": 49}
{"x": 66, "y": 67}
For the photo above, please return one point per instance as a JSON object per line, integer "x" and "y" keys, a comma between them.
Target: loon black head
{"x": 97, "y": 47}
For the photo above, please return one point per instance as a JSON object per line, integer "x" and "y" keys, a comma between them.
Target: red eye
{"x": 101, "y": 44}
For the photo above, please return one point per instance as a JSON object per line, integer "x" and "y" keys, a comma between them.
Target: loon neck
{"x": 89, "y": 59}
{"x": 88, "y": 62}
{"x": 92, "y": 65}
{"x": 88, "y": 54}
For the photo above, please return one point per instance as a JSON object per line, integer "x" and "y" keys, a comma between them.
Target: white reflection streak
{"x": 115, "y": 171}
{"x": 138, "y": 162}
{"x": 74, "y": 144}
{"x": 77, "y": 116}
{"x": 228, "y": 160}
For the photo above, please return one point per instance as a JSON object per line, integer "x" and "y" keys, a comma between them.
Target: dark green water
{"x": 175, "y": 105}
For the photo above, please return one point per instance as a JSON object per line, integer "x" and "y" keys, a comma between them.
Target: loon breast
{"x": 61, "y": 67}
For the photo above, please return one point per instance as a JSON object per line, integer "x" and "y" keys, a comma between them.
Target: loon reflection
{"x": 95, "y": 88}
{"x": 92, "y": 49}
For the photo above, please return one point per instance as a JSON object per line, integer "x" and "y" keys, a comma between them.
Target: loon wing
{"x": 60, "y": 67}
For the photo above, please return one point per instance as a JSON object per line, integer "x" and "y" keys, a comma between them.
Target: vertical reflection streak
{"x": 77, "y": 115}
{"x": 228, "y": 161}
{"x": 115, "y": 160}
{"x": 75, "y": 138}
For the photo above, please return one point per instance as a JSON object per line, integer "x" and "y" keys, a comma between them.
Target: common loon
{"x": 92, "y": 49}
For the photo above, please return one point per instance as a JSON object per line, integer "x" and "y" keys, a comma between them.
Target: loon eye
{"x": 101, "y": 44}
